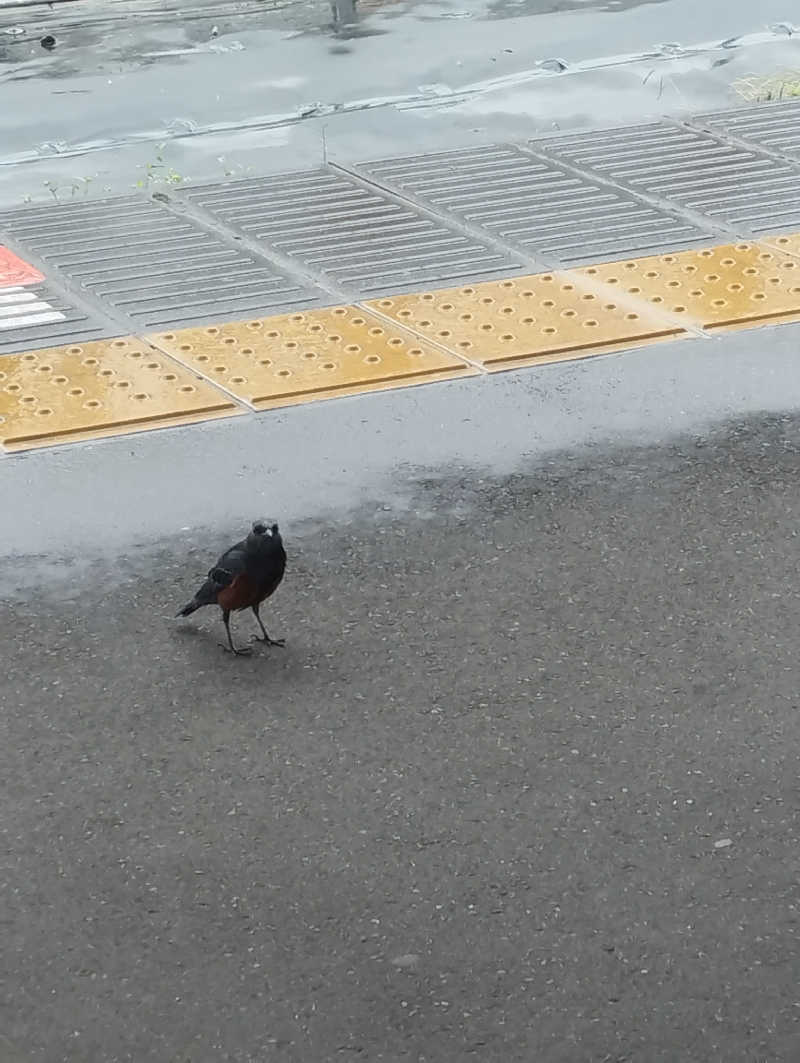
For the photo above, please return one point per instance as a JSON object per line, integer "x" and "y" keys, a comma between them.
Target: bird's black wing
{"x": 220, "y": 576}
{"x": 229, "y": 565}
{"x": 232, "y": 563}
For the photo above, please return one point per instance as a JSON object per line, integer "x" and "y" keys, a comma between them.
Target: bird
{"x": 244, "y": 577}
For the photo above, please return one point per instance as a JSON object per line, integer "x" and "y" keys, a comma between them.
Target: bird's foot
{"x": 245, "y": 651}
{"x": 270, "y": 642}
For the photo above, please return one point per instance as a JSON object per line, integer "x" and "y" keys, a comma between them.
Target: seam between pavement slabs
{"x": 443, "y": 216}
{"x": 182, "y": 206}
{"x": 541, "y": 262}
{"x": 696, "y": 125}
{"x": 714, "y": 228}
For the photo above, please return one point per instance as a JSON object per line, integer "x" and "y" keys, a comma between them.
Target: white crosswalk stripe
{"x": 21, "y": 307}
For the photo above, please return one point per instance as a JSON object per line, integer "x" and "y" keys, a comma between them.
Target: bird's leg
{"x": 226, "y": 620}
{"x": 267, "y": 639}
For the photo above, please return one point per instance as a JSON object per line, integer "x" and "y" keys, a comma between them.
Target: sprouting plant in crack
{"x": 77, "y": 186}
{"x": 765, "y": 88}
{"x": 158, "y": 172}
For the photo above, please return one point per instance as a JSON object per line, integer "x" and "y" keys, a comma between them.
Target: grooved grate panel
{"x": 37, "y": 316}
{"x": 363, "y": 240}
{"x": 729, "y": 184}
{"x": 150, "y": 264}
{"x": 772, "y": 125}
{"x": 542, "y": 318}
{"x": 293, "y": 358}
{"x": 535, "y": 205}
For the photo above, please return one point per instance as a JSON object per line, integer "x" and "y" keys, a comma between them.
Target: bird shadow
{"x": 211, "y": 643}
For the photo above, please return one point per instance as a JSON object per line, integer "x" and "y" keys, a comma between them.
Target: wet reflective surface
{"x": 717, "y": 287}
{"x": 296, "y": 357}
{"x": 91, "y": 389}
{"x": 238, "y": 88}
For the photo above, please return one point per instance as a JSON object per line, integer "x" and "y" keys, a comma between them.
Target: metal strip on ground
{"x": 153, "y": 266}
{"x": 535, "y": 205}
{"x": 364, "y": 241}
{"x": 729, "y": 184}
{"x": 294, "y": 358}
{"x": 526, "y": 320}
{"x": 734, "y": 286}
{"x": 90, "y": 390}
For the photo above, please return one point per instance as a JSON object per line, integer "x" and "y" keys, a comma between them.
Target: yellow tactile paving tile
{"x": 106, "y": 387}
{"x": 525, "y": 320}
{"x": 788, "y": 242}
{"x": 293, "y": 358}
{"x": 732, "y": 286}
{"x": 111, "y": 387}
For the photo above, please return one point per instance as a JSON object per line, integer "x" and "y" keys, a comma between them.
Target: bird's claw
{"x": 245, "y": 651}
{"x": 270, "y": 642}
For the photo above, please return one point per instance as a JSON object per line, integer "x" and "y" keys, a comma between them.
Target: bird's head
{"x": 262, "y": 527}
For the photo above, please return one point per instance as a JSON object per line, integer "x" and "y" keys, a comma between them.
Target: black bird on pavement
{"x": 243, "y": 578}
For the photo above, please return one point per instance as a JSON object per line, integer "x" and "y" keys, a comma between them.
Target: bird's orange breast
{"x": 241, "y": 593}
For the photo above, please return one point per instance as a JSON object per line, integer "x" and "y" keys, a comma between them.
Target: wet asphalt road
{"x": 522, "y": 786}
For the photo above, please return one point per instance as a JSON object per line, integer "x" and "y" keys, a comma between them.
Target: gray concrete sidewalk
{"x": 323, "y": 461}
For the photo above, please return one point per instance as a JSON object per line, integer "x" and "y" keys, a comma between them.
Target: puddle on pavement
{"x": 95, "y": 36}
{"x": 517, "y": 8}
{"x": 270, "y": 83}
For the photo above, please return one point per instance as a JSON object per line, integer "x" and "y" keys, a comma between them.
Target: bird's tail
{"x": 207, "y": 595}
{"x": 189, "y": 608}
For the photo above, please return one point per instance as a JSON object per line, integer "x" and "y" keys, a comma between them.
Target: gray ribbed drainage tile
{"x": 536, "y": 206}
{"x": 157, "y": 268}
{"x": 364, "y": 241}
{"x": 35, "y": 316}
{"x": 775, "y": 126}
{"x": 694, "y": 170}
